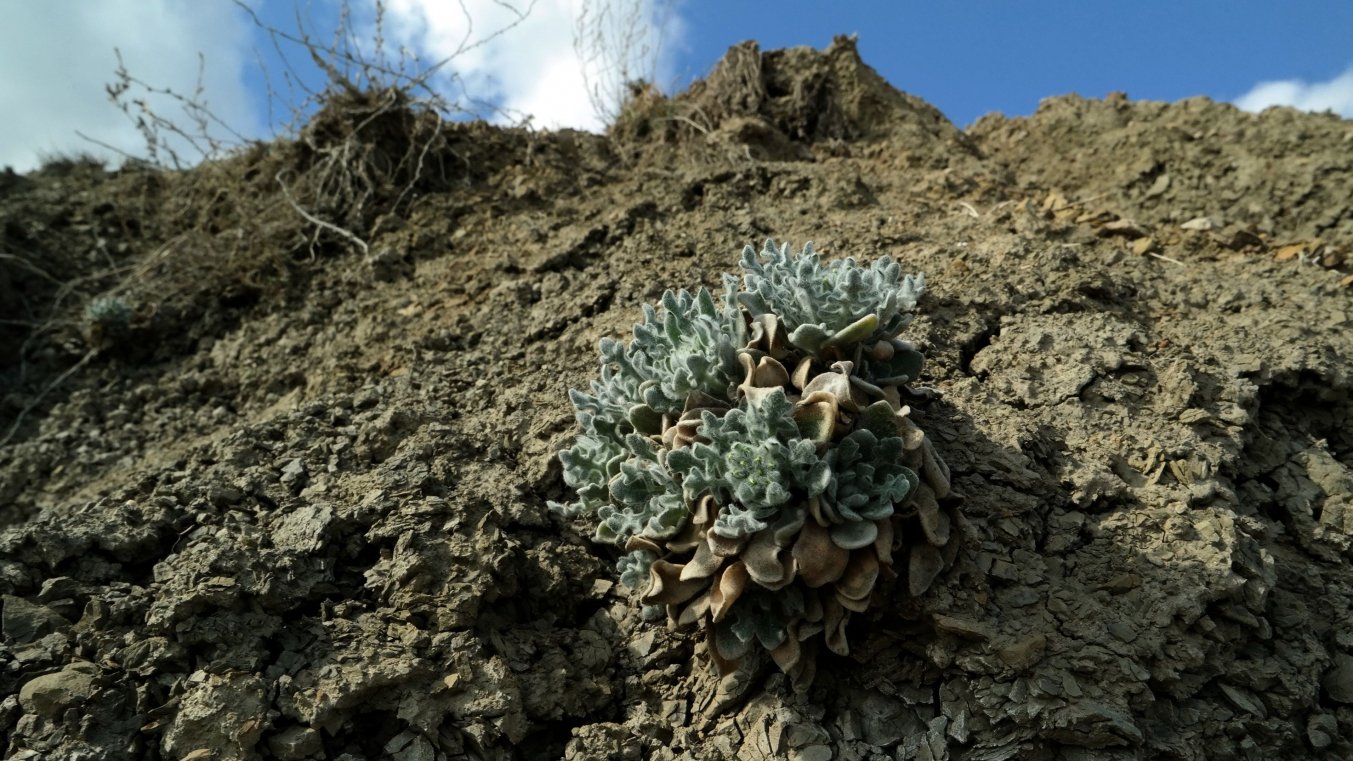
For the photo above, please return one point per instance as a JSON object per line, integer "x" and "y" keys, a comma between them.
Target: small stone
{"x": 1321, "y": 729}
{"x": 399, "y": 742}
{"x": 1123, "y": 227}
{"x": 1193, "y": 415}
{"x": 1338, "y": 681}
{"x": 294, "y": 475}
{"x": 1202, "y": 224}
{"x": 23, "y": 622}
{"x": 883, "y": 720}
{"x": 804, "y": 735}
{"x": 958, "y": 727}
{"x": 224, "y": 495}
{"x": 849, "y": 725}
{"x": 1239, "y": 237}
{"x": 421, "y": 749}
{"x": 643, "y": 644}
{"x": 1047, "y": 684}
{"x": 1090, "y": 724}
{"x": 962, "y": 628}
{"x": 59, "y": 588}
{"x": 1025, "y": 652}
{"x": 1019, "y": 597}
{"x": 1123, "y": 582}
{"x": 1244, "y": 700}
{"x": 1144, "y": 246}
{"x": 295, "y": 743}
{"x": 676, "y": 712}
{"x": 1122, "y": 631}
{"x": 1005, "y": 570}
{"x": 1070, "y": 686}
{"x": 811, "y": 753}
{"x": 51, "y": 695}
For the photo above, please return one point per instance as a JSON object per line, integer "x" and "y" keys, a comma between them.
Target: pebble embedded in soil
{"x": 51, "y": 695}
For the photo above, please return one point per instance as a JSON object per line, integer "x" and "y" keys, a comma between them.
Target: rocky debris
{"x": 299, "y": 511}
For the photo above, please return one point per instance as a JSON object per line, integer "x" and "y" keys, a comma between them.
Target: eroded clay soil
{"x": 296, "y": 509}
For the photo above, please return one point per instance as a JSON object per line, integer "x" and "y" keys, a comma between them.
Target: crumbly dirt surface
{"x": 293, "y": 506}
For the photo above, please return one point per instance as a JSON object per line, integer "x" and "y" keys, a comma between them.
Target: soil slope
{"x": 291, "y": 503}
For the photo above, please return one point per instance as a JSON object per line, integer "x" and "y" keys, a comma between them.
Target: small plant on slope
{"x": 756, "y": 460}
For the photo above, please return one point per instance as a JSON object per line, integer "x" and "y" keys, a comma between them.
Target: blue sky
{"x": 967, "y": 59}
{"x": 972, "y": 58}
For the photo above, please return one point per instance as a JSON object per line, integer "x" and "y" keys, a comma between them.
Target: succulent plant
{"x": 109, "y": 310}
{"x": 827, "y": 305}
{"x": 107, "y": 318}
{"x": 756, "y": 460}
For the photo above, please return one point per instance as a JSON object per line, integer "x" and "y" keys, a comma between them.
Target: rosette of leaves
{"x": 107, "y": 319}
{"x": 758, "y": 461}
{"x": 833, "y": 305}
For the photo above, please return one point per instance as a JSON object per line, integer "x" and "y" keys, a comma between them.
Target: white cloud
{"x": 533, "y": 68}
{"x": 1334, "y": 95}
{"x": 57, "y": 58}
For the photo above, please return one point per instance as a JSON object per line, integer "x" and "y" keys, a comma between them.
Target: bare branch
{"x": 316, "y": 221}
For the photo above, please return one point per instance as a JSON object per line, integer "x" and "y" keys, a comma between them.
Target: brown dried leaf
{"x": 815, "y": 415}
{"x": 788, "y": 653}
{"x": 702, "y": 564}
{"x": 695, "y": 611}
{"x": 934, "y": 521}
{"x": 925, "y": 564}
{"x": 762, "y": 559}
{"x": 857, "y": 582}
{"x": 665, "y": 586}
{"x": 801, "y": 373}
{"x": 819, "y": 560}
{"x": 727, "y": 590}
{"x": 835, "y": 617}
{"x": 722, "y": 545}
{"x": 934, "y": 471}
{"x": 883, "y": 544}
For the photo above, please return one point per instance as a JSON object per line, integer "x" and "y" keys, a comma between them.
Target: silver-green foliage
{"x": 816, "y": 302}
{"x": 109, "y": 312}
{"x": 858, "y": 481}
{"x": 862, "y": 477}
{"x": 645, "y": 501}
{"x": 751, "y": 458}
{"x": 690, "y": 347}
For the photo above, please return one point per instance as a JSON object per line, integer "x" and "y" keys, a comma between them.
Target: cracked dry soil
{"x": 296, "y": 509}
